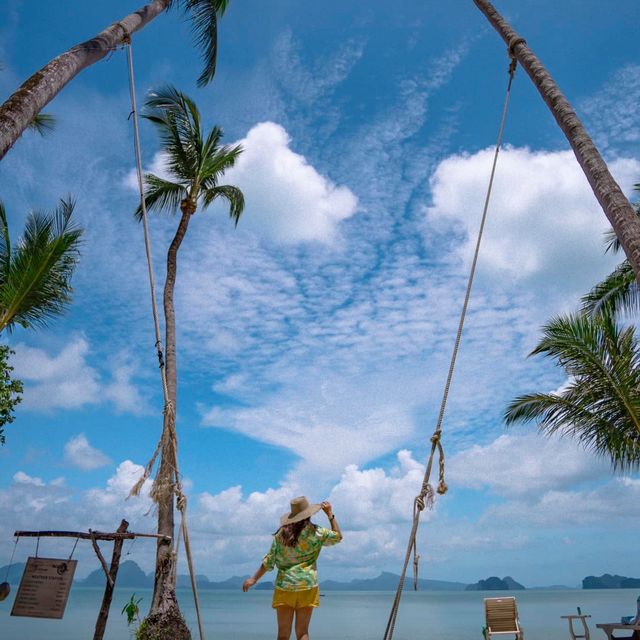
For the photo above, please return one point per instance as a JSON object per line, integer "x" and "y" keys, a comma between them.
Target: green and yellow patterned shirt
{"x": 297, "y": 565}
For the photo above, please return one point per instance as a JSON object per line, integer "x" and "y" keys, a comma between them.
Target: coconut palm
{"x": 600, "y": 405}
{"x": 195, "y": 162}
{"x": 35, "y": 274}
{"x": 611, "y": 198}
{"x": 22, "y": 107}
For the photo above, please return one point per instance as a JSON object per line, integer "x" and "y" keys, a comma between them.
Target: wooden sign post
{"x": 37, "y": 598}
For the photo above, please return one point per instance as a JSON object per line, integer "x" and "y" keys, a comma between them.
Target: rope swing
{"x": 168, "y": 443}
{"x": 426, "y": 496}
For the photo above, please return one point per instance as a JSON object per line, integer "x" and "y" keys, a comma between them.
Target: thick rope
{"x": 168, "y": 443}
{"x": 425, "y": 497}
{"x": 13, "y": 551}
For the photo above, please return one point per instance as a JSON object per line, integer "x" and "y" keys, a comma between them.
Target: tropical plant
{"x": 600, "y": 404}
{"x": 618, "y": 292}
{"x": 606, "y": 190}
{"x": 35, "y": 274}
{"x": 20, "y": 109}
{"x": 132, "y": 609}
{"x": 10, "y": 391}
{"x": 195, "y": 162}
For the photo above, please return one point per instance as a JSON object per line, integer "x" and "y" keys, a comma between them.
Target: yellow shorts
{"x": 296, "y": 599}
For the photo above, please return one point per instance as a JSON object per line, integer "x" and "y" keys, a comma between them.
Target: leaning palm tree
{"x": 195, "y": 163}
{"x": 611, "y": 198}
{"x": 22, "y": 107}
{"x": 35, "y": 274}
{"x": 600, "y": 404}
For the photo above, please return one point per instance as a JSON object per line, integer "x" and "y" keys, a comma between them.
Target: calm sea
{"x": 343, "y": 615}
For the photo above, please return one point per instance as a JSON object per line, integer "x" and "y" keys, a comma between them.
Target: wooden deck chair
{"x": 502, "y": 617}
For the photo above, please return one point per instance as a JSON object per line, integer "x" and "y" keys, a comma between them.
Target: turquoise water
{"x": 343, "y": 615}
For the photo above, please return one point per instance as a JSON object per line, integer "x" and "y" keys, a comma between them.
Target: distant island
{"x": 608, "y": 581}
{"x": 131, "y": 576}
{"x": 495, "y": 584}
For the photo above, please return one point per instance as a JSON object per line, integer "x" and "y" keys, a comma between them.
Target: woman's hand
{"x": 248, "y": 583}
{"x": 327, "y": 508}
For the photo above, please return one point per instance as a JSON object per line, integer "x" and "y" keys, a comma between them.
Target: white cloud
{"x": 63, "y": 381}
{"x": 613, "y": 113}
{"x": 121, "y": 391}
{"x": 545, "y": 227}
{"x": 519, "y": 465}
{"x": 286, "y": 198}
{"x": 68, "y": 381}
{"x": 79, "y": 453}
{"x": 22, "y": 478}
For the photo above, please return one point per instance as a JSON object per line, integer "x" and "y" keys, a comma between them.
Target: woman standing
{"x": 295, "y": 549}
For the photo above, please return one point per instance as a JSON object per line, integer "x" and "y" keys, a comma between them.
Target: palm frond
{"x": 160, "y": 194}
{"x": 216, "y": 161}
{"x": 618, "y": 292}
{"x": 231, "y": 194}
{"x": 5, "y": 243}
{"x": 178, "y": 120}
{"x": 42, "y": 123}
{"x": 601, "y": 406}
{"x": 37, "y": 283}
{"x": 204, "y": 15}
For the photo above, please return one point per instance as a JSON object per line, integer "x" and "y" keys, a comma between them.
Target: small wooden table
{"x": 609, "y": 628}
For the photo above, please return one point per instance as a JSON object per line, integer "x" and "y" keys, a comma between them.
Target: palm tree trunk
{"x": 165, "y": 614}
{"x": 615, "y": 205}
{"x": 44, "y": 85}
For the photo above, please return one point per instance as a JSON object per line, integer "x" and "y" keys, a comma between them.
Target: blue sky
{"x": 313, "y": 340}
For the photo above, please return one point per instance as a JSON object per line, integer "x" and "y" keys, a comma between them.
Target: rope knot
{"x": 435, "y": 438}
{"x": 181, "y": 502}
{"x": 442, "y": 487}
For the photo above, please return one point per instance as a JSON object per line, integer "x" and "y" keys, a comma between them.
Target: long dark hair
{"x": 289, "y": 533}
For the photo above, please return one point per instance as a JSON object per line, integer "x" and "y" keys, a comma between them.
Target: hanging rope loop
{"x": 425, "y": 497}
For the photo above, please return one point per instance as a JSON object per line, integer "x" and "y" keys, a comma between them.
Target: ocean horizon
{"x": 344, "y": 615}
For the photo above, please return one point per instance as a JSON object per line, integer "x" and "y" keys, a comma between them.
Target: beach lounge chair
{"x": 502, "y": 617}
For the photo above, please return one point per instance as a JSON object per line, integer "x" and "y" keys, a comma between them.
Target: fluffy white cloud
{"x": 63, "y": 381}
{"x": 68, "y": 381}
{"x": 545, "y": 226}
{"x": 286, "y": 198}
{"x": 22, "y": 478}
{"x": 79, "y": 453}
{"x": 520, "y": 465}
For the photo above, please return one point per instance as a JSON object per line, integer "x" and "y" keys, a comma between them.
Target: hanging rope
{"x": 426, "y": 496}
{"x": 13, "y": 551}
{"x": 168, "y": 443}
{"x": 75, "y": 544}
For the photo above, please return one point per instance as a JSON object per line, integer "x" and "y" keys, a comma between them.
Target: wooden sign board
{"x": 44, "y": 588}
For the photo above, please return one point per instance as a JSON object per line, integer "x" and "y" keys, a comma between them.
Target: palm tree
{"x": 195, "y": 162}
{"x": 22, "y": 107}
{"x": 615, "y": 205}
{"x": 35, "y": 284}
{"x": 35, "y": 275}
{"x": 600, "y": 405}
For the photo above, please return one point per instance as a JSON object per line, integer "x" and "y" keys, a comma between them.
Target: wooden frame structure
{"x": 111, "y": 571}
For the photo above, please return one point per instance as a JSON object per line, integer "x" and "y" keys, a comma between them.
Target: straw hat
{"x": 300, "y": 510}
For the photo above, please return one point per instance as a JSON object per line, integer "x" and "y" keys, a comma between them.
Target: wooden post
{"x": 101, "y": 622}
